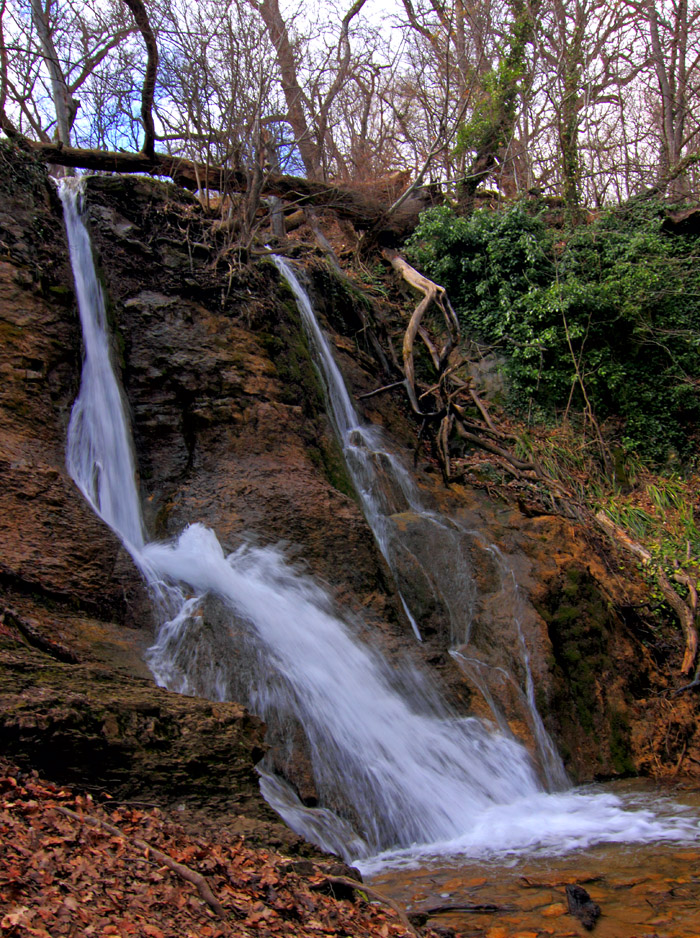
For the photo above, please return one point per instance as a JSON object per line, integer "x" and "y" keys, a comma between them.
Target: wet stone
{"x": 582, "y": 906}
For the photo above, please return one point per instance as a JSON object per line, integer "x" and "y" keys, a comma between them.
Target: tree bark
{"x": 363, "y": 211}
{"x": 149, "y": 85}
{"x": 62, "y": 101}
{"x": 293, "y": 93}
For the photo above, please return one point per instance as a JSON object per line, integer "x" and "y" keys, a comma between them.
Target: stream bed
{"x": 644, "y": 890}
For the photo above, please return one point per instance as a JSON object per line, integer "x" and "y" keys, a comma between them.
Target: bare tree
{"x": 65, "y": 105}
{"x": 52, "y": 56}
{"x": 582, "y": 47}
{"x": 589, "y": 99}
{"x": 674, "y": 36}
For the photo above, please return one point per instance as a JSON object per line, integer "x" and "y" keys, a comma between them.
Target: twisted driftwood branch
{"x": 433, "y": 293}
{"x": 184, "y": 872}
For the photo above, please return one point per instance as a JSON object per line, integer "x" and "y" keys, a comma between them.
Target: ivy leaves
{"x": 608, "y": 312}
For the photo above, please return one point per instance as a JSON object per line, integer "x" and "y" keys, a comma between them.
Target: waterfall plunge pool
{"x": 649, "y": 889}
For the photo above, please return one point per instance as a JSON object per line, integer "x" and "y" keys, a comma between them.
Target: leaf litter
{"x": 70, "y": 867}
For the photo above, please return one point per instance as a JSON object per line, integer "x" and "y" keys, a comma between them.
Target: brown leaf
{"x": 18, "y": 916}
{"x": 152, "y": 931}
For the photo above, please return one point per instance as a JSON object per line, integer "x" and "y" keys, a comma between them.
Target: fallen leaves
{"x": 71, "y": 867}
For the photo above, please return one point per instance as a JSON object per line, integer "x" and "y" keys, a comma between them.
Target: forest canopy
{"x": 591, "y": 101}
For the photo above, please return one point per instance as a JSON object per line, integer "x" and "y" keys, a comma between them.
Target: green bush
{"x": 616, "y": 302}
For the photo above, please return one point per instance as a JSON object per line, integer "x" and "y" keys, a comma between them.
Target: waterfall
{"x": 396, "y": 772}
{"x": 390, "y": 500}
{"x": 99, "y": 454}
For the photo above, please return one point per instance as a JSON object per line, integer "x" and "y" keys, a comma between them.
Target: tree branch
{"x": 375, "y": 894}
{"x": 684, "y": 611}
{"x": 184, "y": 872}
{"x": 149, "y": 83}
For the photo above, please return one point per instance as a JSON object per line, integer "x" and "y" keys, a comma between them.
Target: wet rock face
{"x": 591, "y": 705}
{"x": 230, "y": 429}
{"x": 52, "y": 542}
{"x": 228, "y": 416}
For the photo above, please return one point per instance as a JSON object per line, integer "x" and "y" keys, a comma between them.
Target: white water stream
{"x": 405, "y": 779}
{"x": 410, "y": 536}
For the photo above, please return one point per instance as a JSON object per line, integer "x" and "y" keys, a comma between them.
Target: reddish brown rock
{"x": 52, "y": 542}
{"x": 230, "y": 429}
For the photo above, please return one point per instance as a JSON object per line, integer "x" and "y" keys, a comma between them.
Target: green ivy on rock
{"x": 612, "y": 308}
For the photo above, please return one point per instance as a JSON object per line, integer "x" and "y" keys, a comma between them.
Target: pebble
{"x": 554, "y": 910}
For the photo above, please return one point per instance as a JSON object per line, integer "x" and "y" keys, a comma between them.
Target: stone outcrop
{"x": 52, "y": 542}
{"x": 87, "y": 724}
{"x": 230, "y": 429}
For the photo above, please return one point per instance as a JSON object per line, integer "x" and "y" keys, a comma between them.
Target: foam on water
{"x": 551, "y": 825}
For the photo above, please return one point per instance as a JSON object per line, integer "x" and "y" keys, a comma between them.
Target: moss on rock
{"x": 590, "y": 707}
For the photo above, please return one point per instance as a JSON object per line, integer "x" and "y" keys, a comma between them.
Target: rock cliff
{"x": 230, "y": 429}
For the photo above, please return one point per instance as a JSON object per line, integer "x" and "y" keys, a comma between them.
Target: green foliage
{"x": 660, "y": 515}
{"x": 612, "y": 309}
{"x": 488, "y": 125}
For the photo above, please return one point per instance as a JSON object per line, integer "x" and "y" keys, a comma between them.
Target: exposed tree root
{"x": 451, "y": 392}
{"x": 433, "y": 293}
{"x": 449, "y": 386}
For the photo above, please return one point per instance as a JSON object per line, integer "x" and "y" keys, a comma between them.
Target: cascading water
{"x": 392, "y": 505}
{"x": 404, "y": 775}
{"x": 98, "y": 454}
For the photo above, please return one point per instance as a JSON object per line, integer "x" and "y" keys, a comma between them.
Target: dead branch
{"x": 432, "y": 351}
{"x": 685, "y": 611}
{"x": 387, "y": 387}
{"x": 444, "y": 443}
{"x": 184, "y": 872}
{"x": 375, "y": 894}
{"x": 484, "y": 412}
{"x": 515, "y": 466}
{"x": 477, "y": 908}
{"x": 432, "y": 293}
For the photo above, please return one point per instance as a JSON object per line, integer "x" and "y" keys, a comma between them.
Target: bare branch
{"x": 149, "y": 84}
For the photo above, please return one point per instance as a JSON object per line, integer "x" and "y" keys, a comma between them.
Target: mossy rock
{"x": 586, "y": 702}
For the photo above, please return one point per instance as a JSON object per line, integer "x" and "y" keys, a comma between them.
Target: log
{"x": 362, "y": 210}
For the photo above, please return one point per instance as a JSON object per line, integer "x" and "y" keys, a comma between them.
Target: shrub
{"x": 612, "y": 307}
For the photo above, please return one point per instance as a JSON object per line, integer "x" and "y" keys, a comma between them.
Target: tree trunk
{"x": 363, "y": 211}
{"x": 64, "y": 104}
{"x": 293, "y": 94}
